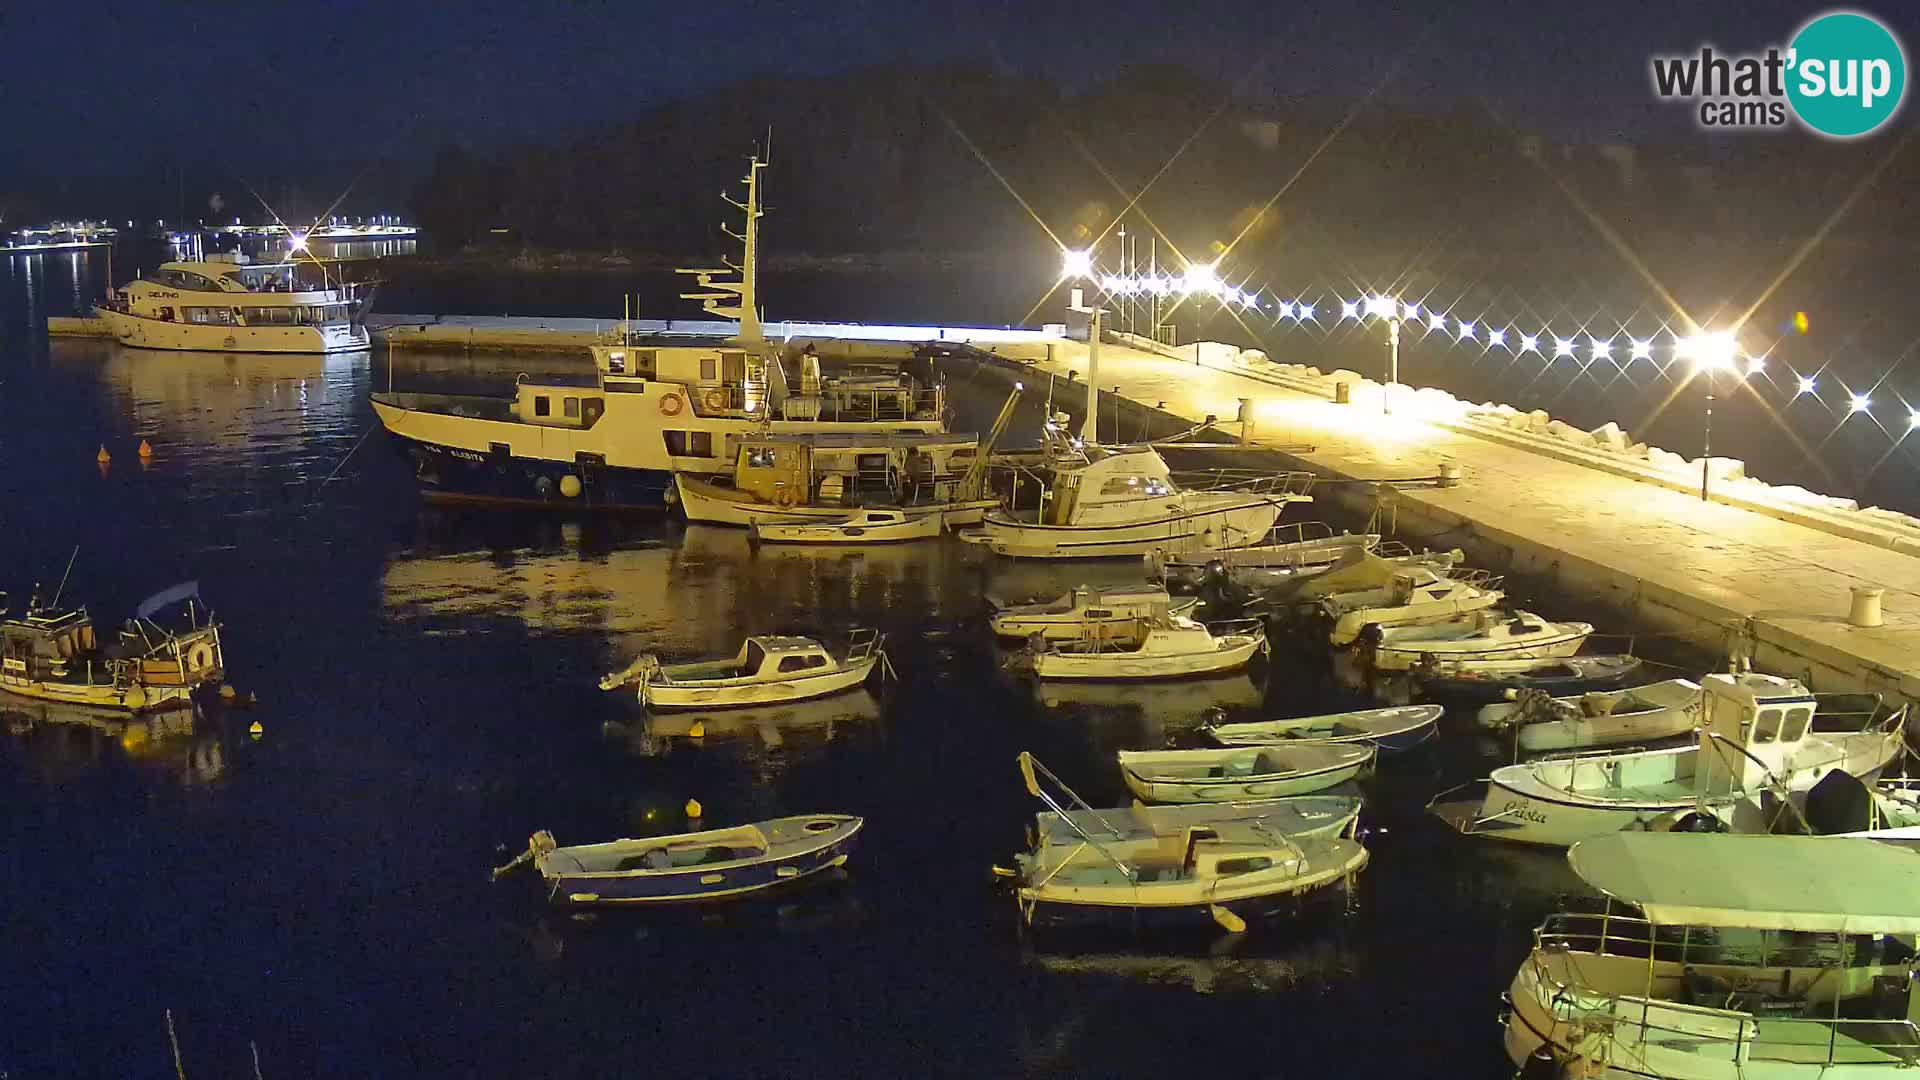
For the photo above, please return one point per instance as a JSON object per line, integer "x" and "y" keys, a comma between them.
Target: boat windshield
{"x": 756, "y": 657}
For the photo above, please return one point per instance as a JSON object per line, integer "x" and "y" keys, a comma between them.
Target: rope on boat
{"x": 343, "y": 464}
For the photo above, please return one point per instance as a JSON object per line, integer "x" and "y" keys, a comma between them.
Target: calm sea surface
{"x": 426, "y": 685}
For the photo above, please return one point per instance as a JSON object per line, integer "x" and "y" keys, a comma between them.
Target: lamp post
{"x": 1388, "y": 308}
{"x": 1710, "y": 353}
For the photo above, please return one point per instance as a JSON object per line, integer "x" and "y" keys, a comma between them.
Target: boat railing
{"x": 1484, "y": 580}
{"x": 1287, "y": 485}
{"x": 863, "y": 643}
{"x": 1854, "y": 711}
{"x": 1031, "y": 770}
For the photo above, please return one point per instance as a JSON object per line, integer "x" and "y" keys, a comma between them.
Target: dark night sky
{"x": 99, "y": 88}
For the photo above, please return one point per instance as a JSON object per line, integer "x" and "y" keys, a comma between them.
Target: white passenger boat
{"x": 1164, "y": 647}
{"x": 226, "y": 304}
{"x": 1401, "y": 727}
{"x": 793, "y": 479}
{"x": 1598, "y": 718}
{"x": 659, "y": 405}
{"x": 1228, "y": 864}
{"x": 1414, "y": 597}
{"x": 1113, "y": 501}
{"x": 1241, "y": 773}
{"x": 766, "y": 670}
{"x": 1084, "y": 612}
{"x": 1726, "y": 958}
{"x": 1485, "y": 634}
{"x": 858, "y": 527}
{"x": 1755, "y": 733}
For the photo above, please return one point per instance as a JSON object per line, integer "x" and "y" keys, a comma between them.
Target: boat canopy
{"x": 186, "y": 590}
{"x": 1804, "y": 883}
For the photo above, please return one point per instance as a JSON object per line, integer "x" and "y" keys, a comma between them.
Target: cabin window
{"x": 1768, "y": 727}
{"x": 570, "y": 408}
{"x": 794, "y": 663}
{"x": 689, "y": 443}
{"x": 761, "y": 457}
{"x": 756, "y": 656}
{"x": 542, "y": 406}
{"x": 886, "y": 517}
{"x": 709, "y": 369}
{"x": 1146, "y": 486}
{"x": 1099, "y": 613}
{"x": 591, "y": 409}
{"x": 1794, "y": 728}
{"x": 616, "y": 363}
{"x": 1247, "y": 865}
{"x": 816, "y": 661}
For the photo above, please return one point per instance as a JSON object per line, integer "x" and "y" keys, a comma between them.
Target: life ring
{"x": 787, "y": 497}
{"x": 716, "y": 400}
{"x": 200, "y": 657}
{"x": 670, "y": 405}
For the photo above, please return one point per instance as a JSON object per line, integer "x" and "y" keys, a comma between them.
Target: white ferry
{"x": 657, "y": 406}
{"x": 227, "y": 304}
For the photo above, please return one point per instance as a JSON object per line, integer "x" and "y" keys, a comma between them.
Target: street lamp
{"x": 1075, "y": 264}
{"x": 1390, "y": 309}
{"x": 1710, "y": 353}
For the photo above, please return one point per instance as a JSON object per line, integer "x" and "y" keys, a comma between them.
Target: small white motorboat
{"x": 1167, "y": 647}
{"x": 690, "y": 867}
{"x": 1265, "y": 566}
{"x": 1241, "y": 773}
{"x": 1485, "y": 634}
{"x": 1225, "y": 863}
{"x": 1415, "y": 596}
{"x": 766, "y": 671}
{"x": 1600, "y": 718}
{"x": 1399, "y": 728}
{"x": 1086, "y": 612}
{"x": 857, "y": 527}
{"x": 1755, "y": 732}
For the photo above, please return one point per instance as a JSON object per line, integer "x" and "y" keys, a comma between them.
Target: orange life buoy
{"x": 670, "y": 405}
{"x": 716, "y": 400}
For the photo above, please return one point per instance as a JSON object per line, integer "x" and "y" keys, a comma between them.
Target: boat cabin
{"x": 778, "y": 657}
{"x": 226, "y": 290}
{"x": 1754, "y": 725}
{"x": 1110, "y": 477}
{"x": 44, "y": 644}
{"x": 852, "y": 470}
{"x": 730, "y": 378}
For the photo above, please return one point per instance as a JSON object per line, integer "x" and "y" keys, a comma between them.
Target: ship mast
{"x": 736, "y": 299}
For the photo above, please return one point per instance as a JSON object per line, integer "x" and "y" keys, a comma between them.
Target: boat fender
{"x": 671, "y": 404}
{"x": 693, "y": 809}
{"x": 543, "y": 486}
{"x": 570, "y": 486}
{"x": 716, "y": 400}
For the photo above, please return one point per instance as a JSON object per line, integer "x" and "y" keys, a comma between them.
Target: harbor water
{"x": 426, "y": 698}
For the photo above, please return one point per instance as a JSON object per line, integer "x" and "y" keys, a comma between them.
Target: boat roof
{"x": 840, "y": 440}
{"x": 1806, "y": 883}
{"x": 1758, "y": 688}
{"x": 47, "y": 622}
{"x": 786, "y": 644}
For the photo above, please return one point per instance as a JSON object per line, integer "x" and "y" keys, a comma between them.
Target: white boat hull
{"x": 711, "y": 504}
{"x": 1403, "y": 657}
{"x": 142, "y": 333}
{"x": 723, "y": 693}
{"x": 924, "y": 527}
{"x": 1123, "y": 665}
{"x": 1162, "y": 790}
{"x": 1075, "y": 626}
{"x": 1241, "y": 522}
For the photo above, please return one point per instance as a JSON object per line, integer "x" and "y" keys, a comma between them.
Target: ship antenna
{"x": 63, "y": 577}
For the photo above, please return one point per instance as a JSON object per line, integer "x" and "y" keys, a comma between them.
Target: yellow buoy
{"x": 146, "y": 449}
{"x": 103, "y": 457}
{"x": 697, "y": 729}
{"x": 693, "y": 809}
{"x": 254, "y": 729}
{"x": 227, "y": 692}
{"x": 570, "y": 486}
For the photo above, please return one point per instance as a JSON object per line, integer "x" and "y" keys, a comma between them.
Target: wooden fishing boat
{"x": 1085, "y": 612}
{"x": 55, "y": 654}
{"x": 1399, "y": 728}
{"x": 1485, "y": 634}
{"x": 1226, "y": 864}
{"x": 1485, "y": 680}
{"x": 766, "y": 671}
{"x": 859, "y": 527}
{"x": 1598, "y": 718}
{"x": 1310, "y": 548}
{"x": 693, "y": 867}
{"x": 1241, "y": 773}
{"x": 1168, "y": 647}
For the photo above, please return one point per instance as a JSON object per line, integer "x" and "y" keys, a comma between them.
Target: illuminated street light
{"x": 1306, "y": 312}
{"x": 1349, "y": 309}
{"x": 1806, "y": 384}
{"x": 1913, "y": 418}
{"x": 1436, "y": 321}
{"x": 1412, "y": 312}
{"x": 1382, "y": 307}
{"x": 1601, "y": 349}
{"x": 1496, "y": 337}
{"x": 1858, "y": 403}
{"x": 1075, "y": 264}
{"x": 1710, "y": 352}
{"x": 1466, "y": 330}
{"x": 1529, "y": 343}
{"x": 1286, "y": 309}
{"x": 1562, "y": 347}
{"x": 1200, "y": 278}
{"x": 1642, "y": 350}
{"x": 1756, "y": 364}
{"x": 298, "y": 243}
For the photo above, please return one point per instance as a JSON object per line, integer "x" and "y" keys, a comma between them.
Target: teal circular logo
{"x": 1846, "y": 74}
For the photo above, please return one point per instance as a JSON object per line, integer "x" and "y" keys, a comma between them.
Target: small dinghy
{"x": 861, "y": 527}
{"x": 1241, "y": 773}
{"x": 1599, "y": 718}
{"x": 1489, "y": 634}
{"x": 1414, "y": 597}
{"x": 1263, "y": 567}
{"x": 1086, "y": 612}
{"x": 1225, "y": 863}
{"x": 1399, "y": 728}
{"x": 1167, "y": 647}
{"x": 692, "y": 867}
{"x": 766, "y": 671}
{"x": 1479, "y": 681}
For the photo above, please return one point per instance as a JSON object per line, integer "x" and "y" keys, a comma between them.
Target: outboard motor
{"x": 1839, "y": 803}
